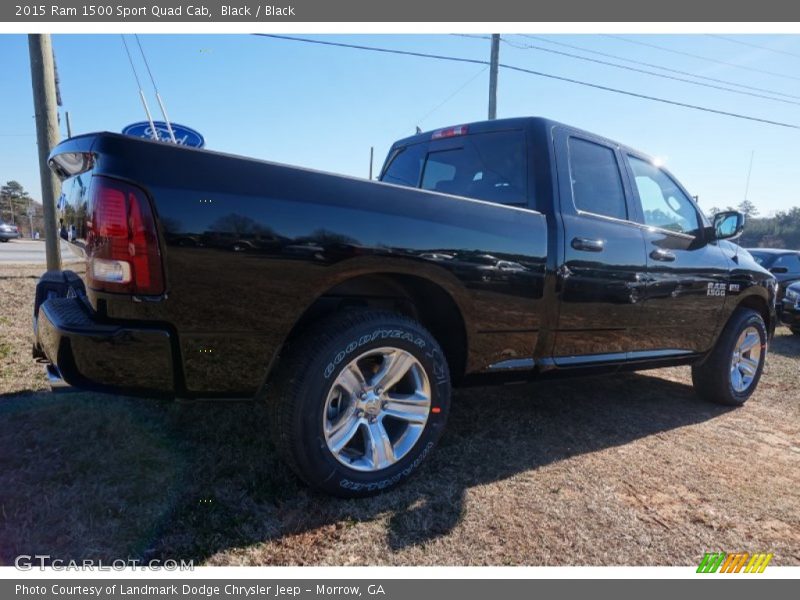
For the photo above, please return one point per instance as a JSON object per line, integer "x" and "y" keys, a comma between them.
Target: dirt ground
{"x": 623, "y": 470}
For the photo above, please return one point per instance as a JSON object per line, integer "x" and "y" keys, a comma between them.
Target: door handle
{"x": 587, "y": 245}
{"x": 662, "y": 255}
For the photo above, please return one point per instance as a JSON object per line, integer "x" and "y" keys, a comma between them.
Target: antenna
{"x": 749, "y": 171}
{"x": 141, "y": 92}
{"x": 158, "y": 96}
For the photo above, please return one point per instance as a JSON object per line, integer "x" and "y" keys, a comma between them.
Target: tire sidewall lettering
{"x": 365, "y": 339}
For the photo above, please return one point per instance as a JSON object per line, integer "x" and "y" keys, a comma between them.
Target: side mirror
{"x": 779, "y": 270}
{"x": 728, "y": 225}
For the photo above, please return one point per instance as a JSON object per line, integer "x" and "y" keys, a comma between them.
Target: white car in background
{"x": 8, "y": 231}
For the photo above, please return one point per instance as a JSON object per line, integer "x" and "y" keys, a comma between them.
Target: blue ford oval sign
{"x": 185, "y": 136}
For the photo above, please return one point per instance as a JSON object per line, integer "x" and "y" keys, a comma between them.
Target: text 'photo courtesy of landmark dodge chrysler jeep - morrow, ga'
{"x": 489, "y": 252}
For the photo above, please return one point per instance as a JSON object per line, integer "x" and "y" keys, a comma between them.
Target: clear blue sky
{"x": 324, "y": 107}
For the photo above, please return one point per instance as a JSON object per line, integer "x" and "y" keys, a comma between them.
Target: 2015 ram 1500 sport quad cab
{"x": 491, "y": 251}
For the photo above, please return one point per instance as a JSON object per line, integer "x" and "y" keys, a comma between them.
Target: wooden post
{"x": 493, "y": 68}
{"x": 44, "y": 101}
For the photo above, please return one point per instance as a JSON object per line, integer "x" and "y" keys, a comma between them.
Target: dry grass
{"x": 630, "y": 469}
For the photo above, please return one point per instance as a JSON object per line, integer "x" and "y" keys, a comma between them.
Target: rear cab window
{"x": 491, "y": 166}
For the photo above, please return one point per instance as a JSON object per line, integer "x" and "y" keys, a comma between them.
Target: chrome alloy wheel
{"x": 746, "y": 359}
{"x": 376, "y": 409}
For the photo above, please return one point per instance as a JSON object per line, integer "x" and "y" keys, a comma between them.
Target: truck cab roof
{"x": 503, "y": 125}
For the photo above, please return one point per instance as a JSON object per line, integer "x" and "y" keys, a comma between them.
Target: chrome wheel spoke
{"x": 750, "y": 339}
{"x": 379, "y": 447}
{"x": 736, "y": 378}
{"x": 342, "y": 433}
{"x": 396, "y": 364}
{"x": 351, "y": 380}
{"x": 748, "y": 366}
{"x": 413, "y": 408}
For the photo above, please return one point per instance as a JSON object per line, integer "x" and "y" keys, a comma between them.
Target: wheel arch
{"x": 440, "y": 306}
{"x": 757, "y": 303}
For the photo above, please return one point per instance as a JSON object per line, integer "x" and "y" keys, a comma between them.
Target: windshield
{"x": 763, "y": 258}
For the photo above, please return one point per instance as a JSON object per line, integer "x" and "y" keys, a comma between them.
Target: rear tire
{"x": 333, "y": 421}
{"x": 730, "y": 373}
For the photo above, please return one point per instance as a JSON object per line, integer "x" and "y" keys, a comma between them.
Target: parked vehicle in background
{"x": 8, "y": 232}
{"x": 491, "y": 252}
{"x": 784, "y": 264}
{"x": 790, "y": 310}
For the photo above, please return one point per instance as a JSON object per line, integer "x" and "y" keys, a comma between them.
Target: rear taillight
{"x": 122, "y": 249}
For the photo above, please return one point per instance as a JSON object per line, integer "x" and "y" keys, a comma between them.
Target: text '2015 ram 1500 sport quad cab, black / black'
{"x": 494, "y": 251}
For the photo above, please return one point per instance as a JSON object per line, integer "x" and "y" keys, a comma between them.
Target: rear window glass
{"x": 487, "y": 166}
{"x": 405, "y": 164}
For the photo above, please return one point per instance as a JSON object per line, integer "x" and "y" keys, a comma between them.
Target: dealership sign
{"x": 186, "y": 136}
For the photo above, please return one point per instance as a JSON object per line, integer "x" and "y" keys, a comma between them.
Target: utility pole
{"x": 69, "y": 125}
{"x": 495, "y": 58}
{"x": 30, "y": 214}
{"x": 371, "y": 160}
{"x": 44, "y": 101}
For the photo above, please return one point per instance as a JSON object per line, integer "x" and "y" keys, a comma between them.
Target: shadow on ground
{"x": 786, "y": 345}
{"x": 100, "y": 476}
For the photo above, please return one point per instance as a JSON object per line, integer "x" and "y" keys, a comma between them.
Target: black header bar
{"x": 251, "y": 11}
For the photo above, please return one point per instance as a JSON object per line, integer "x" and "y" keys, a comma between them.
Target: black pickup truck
{"x": 488, "y": 252}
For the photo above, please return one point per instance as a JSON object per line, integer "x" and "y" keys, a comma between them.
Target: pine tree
{"x": 748, "y": 209}
{"x": 14, "y": 201}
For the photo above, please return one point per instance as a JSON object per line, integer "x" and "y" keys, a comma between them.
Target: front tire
{"x": 731, "y": 372}
{"x": 359, "y": 401}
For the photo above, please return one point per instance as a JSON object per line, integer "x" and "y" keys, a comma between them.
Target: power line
{"x": 646, "y": 72}
{"x": 698, "y": 56}
{"x": 655, "y": 66}
{"x": 751, "y": 45}
{"x": 529, "y": 72}
{"x": 452, "y": 95}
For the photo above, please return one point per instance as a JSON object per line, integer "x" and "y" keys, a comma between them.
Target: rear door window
{"x": 596, "y": 179}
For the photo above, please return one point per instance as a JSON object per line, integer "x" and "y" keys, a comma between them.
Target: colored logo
{"x": 734, "y": 563}
{"x": 186, "y": 136}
